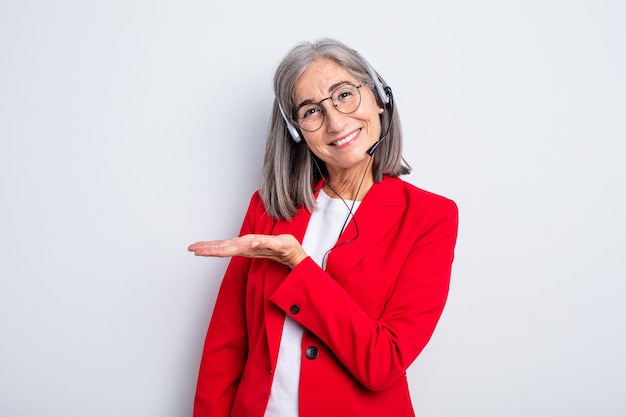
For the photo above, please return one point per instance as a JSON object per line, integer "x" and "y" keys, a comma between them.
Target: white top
{"x": 325, "y": 227}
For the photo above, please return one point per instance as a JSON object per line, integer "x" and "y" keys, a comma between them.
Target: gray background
{"x": 129, "y": 129}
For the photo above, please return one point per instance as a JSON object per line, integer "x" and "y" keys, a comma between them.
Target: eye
{"x": 344, "y": 94}
{"x": 309, "y": 112}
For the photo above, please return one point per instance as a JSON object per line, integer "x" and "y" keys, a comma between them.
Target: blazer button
{"x": 295, "y": 309}
{"x": 311, "y": 352}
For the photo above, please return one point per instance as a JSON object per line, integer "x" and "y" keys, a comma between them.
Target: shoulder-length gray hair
{"x": 289, "y": 170}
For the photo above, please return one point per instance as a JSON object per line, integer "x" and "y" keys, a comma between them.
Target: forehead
{"x": 318, "y": 80}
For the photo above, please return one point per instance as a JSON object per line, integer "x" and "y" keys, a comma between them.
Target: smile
{"x": 347, "y": 139}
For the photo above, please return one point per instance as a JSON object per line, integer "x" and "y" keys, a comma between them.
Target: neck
{"x": 350, "y": 184}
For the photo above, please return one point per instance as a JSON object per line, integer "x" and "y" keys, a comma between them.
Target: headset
{"x": 384, "y": 96}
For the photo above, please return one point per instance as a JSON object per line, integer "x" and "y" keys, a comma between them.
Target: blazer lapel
{"x": 380, "y": 209}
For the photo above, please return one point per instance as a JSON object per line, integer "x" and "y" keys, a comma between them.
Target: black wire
{"x": 349, "y": 207}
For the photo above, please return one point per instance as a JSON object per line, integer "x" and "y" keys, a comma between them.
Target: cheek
{"x": 369, "y": 111}
{"x": 313, "y": 142}
{"x": 373, "y": 118}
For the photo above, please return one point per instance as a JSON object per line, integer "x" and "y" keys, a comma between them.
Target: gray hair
{"x": 289, "y": 168}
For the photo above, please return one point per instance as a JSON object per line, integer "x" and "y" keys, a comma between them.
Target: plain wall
{"x": 130, "y": 129}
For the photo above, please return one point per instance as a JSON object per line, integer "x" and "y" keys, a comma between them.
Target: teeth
{"x": 346, "y": 139}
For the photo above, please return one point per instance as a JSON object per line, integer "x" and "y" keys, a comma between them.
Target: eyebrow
{"x": 330, "y": 90}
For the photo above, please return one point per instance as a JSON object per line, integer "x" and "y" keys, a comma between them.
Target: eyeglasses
{"x": 346, "y": 99}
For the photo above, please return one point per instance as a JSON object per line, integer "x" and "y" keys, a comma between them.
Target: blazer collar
{"x": 379, "y": 210}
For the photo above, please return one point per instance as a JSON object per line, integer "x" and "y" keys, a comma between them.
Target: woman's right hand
{"x": 282, "y": 248}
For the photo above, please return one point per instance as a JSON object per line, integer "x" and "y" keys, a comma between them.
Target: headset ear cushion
{"x": 295, "y": 135}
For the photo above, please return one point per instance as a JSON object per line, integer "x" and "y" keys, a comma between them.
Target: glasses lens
{"x": 347, "y": 98}
{"x": 310, "y": 117}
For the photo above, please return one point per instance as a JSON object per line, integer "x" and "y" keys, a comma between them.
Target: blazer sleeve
{"x": 225, "y": 348}
{"x": 378, "y": 350}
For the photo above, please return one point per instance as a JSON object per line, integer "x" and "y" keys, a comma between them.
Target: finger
{"x": 220, "y": 248}
{"x": 194, "y": 246}
{"x": 200, "y": 246}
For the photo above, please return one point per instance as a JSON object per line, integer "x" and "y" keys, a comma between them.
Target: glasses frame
{"x": 319, "y": 104}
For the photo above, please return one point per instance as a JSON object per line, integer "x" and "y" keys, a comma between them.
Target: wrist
{"x": 299, "y": 257}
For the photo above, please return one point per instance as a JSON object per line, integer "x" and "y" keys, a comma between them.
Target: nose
{"x": 335, "y": 120}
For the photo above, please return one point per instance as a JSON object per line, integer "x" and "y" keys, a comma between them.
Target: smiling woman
{"x": 326, "y": 302}
{"x": 289, "y": 170}
{"x": 341, "y": 138}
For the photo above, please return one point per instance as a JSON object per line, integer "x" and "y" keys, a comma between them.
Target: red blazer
{"x": 366, "y": 317}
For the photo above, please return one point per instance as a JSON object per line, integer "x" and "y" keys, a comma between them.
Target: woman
{"x": 341, "y": 270}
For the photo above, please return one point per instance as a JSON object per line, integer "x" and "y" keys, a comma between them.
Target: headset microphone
{"x": 375, "y": 146}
